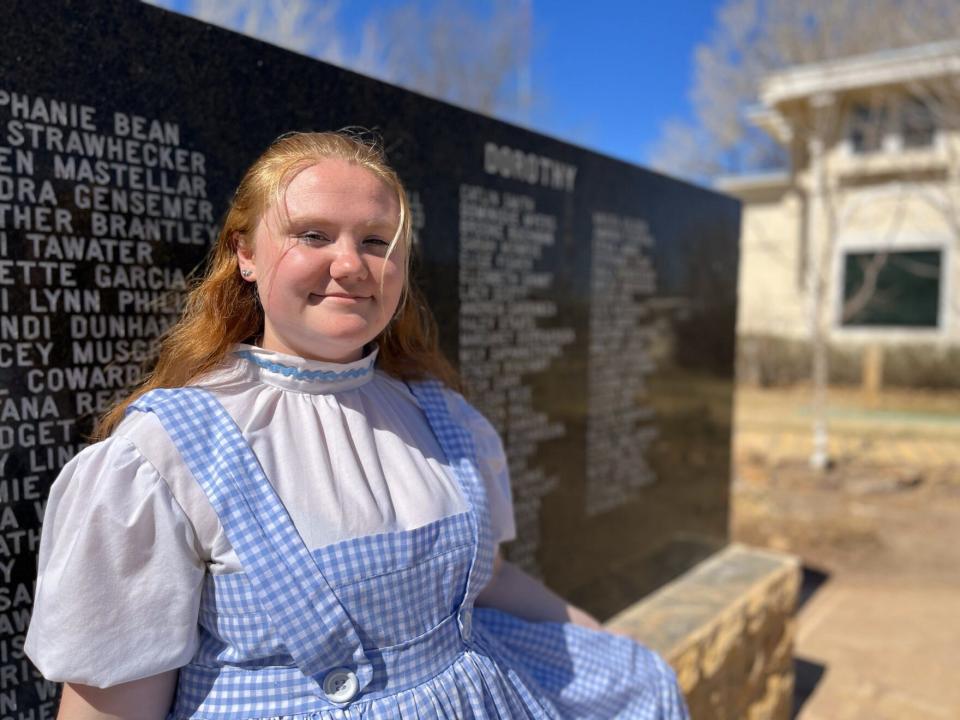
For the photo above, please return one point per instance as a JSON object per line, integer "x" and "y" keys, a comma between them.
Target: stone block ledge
{"x": 727, "y": 628}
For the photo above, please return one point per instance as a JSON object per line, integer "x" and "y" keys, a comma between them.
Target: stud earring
{"x": 246, "y": 273}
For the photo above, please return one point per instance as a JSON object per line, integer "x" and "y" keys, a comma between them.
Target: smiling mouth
{"x": 340, "y": 297}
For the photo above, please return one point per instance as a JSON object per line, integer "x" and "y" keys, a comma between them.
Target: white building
{"x": 863, "y": 230}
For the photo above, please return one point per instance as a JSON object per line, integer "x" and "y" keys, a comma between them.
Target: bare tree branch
{"x": 442, "y": 49}
{"x": 753, "y": 38}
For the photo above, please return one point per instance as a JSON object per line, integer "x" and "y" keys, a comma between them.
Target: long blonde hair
{"x": 222, "y": 308}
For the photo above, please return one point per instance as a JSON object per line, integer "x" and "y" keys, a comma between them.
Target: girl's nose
{"x": 347, "y": 261}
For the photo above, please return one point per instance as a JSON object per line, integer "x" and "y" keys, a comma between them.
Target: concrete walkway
{"x": 889, "y": 651}
{"x": 880, "y": 639}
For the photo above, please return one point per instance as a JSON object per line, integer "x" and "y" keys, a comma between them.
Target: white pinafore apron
{"x": 380, "y": 626}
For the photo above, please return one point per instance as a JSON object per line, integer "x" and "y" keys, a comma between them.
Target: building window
{"x": 891, "y": 289}
{"x": 917, "y": 123}
{"x": 868, "y": 126}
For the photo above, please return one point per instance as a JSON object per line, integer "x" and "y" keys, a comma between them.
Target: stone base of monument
{"x": 727, "y": 628}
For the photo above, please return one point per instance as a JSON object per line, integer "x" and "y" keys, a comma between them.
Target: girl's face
{"x": 325, "y": 282}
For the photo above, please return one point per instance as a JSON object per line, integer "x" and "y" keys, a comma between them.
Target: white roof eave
{"x": 773, "y": 122}
{"x": 889, "y": 67}
{"x": 756, "y": 181}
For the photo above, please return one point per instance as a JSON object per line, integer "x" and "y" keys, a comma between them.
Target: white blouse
{"x": 128, "y": 533}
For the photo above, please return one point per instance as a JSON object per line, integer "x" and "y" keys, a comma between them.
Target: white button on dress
{"x": 340, "y": 685}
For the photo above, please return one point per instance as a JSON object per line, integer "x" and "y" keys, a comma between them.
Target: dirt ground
{"x": 878, "y": 633}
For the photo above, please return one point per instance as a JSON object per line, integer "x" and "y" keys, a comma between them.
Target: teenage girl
{"x": 296, "y": 515}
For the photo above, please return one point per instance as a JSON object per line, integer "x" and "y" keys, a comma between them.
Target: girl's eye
{"x": 373, "y": 240}
{"x": 312, "y": 237}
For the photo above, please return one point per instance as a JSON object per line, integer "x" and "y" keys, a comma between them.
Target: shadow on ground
{"x": 807, "y": 674}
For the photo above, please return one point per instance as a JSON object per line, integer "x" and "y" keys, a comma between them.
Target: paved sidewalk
{"x": 880, "y": 639}
{"x": 888, "y": 650}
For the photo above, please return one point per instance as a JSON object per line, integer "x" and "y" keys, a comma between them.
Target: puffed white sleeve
{"x": 119, "y": 575}
{"x": 492, "y": 464}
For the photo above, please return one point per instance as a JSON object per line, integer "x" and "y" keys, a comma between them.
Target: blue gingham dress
{"x": 380, "y": 626}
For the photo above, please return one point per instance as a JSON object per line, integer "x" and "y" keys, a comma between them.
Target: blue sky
{"x": 611, "y": 71}
{"x": 608, "y": 72}
{"x": 615, "y": 70}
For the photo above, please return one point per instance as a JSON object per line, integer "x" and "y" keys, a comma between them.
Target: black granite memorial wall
{"x": 589, "y": 303}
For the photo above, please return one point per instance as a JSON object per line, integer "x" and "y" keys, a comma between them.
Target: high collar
{"x": 291, "y": 372}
